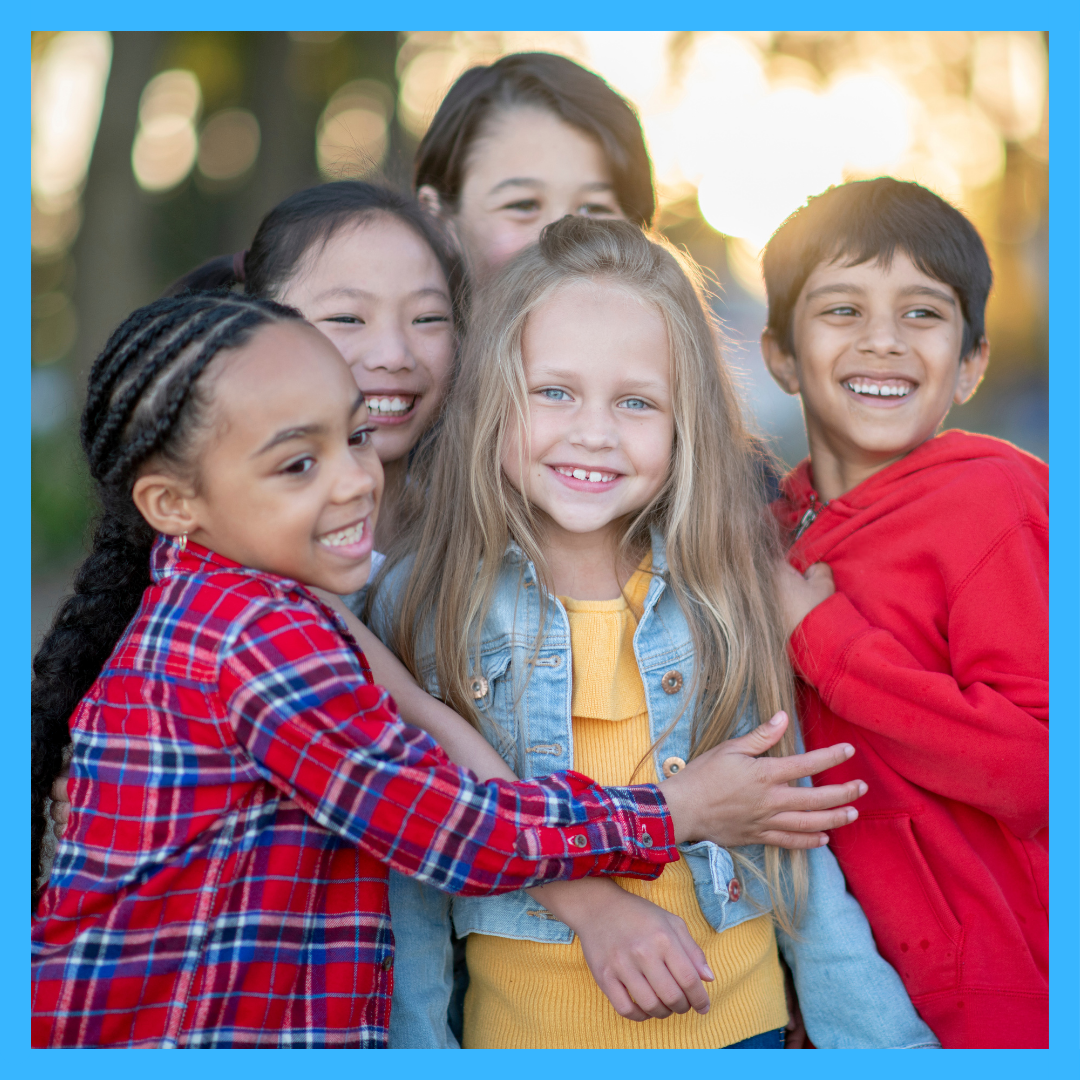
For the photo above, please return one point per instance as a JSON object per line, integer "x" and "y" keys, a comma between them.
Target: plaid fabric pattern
{"x": 239, "y": 788}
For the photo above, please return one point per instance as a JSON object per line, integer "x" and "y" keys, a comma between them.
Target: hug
{"x": 450, "y": 670}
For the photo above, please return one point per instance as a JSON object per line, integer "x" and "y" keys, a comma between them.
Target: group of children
{"x": 548, "y": 724}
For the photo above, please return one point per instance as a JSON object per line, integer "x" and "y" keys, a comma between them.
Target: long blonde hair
{"x": 461, "y": 511}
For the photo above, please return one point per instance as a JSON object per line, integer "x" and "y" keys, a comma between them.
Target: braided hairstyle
{"x": 143, "y": 402}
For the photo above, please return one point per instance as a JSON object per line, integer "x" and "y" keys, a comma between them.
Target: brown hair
{"x": 721, "y": 543}
{"x": 545, "y": 81}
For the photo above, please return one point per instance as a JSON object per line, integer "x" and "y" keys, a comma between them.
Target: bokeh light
{"x": 166, "y": 145}
{"x": 351, "y": 137}
{"x": 228, "y": 144}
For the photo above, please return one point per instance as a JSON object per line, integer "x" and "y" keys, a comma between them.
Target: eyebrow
{"x": 526, "y": 181}
{"x": 914, "y": 290}
{"x": 629, "y": 387}
{"x": 304, "y": 431}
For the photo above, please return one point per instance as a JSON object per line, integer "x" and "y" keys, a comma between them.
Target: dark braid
{"x": 143, "y": 401}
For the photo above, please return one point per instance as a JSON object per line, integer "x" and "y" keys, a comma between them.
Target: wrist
{"x": 681, "y": 809}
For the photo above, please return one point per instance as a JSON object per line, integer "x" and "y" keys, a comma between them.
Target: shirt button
{"x": 671, "y": 683}
{"x": 646, "y": 840}
{"x": 578, "y": 841}
{"x": 386, "y": 963}
{"x": 734, "y": 890}
{"x": 672, "y": 765}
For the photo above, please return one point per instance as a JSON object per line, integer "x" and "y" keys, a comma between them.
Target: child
{"x": 931, "y": 654}
{"x": 519, "y": 144}
{"x": 380, "y": 279}
{"x": 593, "y": 449}
{"x": 238, "y": 785}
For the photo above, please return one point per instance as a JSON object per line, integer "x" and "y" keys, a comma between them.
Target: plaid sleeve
{"x": 336, "y": 744}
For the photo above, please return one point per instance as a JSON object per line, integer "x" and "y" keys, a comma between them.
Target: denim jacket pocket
{"x": 725, "y": 897}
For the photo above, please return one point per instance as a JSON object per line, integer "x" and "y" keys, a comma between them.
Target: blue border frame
{"x": 1064, "y": 27}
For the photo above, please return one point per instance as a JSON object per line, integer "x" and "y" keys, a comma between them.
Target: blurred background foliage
{"x": 152, "y": 152}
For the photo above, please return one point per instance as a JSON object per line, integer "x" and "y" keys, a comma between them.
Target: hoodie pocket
{"x": 915, "y": 929}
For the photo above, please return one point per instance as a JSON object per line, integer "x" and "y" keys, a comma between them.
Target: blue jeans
{"x": 767, "y": 1040}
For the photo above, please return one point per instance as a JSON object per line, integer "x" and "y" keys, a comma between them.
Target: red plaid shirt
{"x": 238, "y": 790}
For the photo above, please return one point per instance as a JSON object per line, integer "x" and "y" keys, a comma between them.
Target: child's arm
{"x": 990, "y": 714}
{"x": 641, "y": 956}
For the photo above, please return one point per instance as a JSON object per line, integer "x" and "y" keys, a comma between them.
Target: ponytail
{"x": 223, "y": 272}
{"x": 143, "y": 401}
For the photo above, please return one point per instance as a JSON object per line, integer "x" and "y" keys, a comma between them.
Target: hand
{"x": 641, "y": 956}
{"x": 61, "y": 808}
{"x": 799, "y": 594}
{"x": 732, "y": 797}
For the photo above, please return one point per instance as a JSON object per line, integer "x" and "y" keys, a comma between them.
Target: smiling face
{"x": 877, "y": 364}
{"x": 377, "y": 291}
{"x": 598, "y": 446}
{"x": 289, "y": 481}
{"x": 527, "y": 169}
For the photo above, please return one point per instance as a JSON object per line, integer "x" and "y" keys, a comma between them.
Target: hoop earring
{"x": 183, "y": 542}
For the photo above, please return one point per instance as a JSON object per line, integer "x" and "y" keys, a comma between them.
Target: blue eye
{"x": 553, "y": 393}
{"x": 635, "y": 403}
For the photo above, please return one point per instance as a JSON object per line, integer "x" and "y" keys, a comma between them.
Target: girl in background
{"x": 524, "y": 142}
{"x": 588, "y": 577}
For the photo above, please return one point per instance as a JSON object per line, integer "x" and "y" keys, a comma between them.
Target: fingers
{"x": 793, "y": 841}
{"x": 621, "y": 1001}
{"x": 817, "y": 821}
{"x": 645, "y": 997}
{"x": 762, "y": 738}
{"x": 689, "y": 969}
{"x": 785, "y": 769}
{"x": 58, "y": 792}
{"x": 804, "y": 799}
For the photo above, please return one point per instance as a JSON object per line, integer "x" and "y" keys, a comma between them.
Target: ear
{"x": 781, "y": 366}
{"x": 166, "y": 503}
{"x": 972, "y": 370}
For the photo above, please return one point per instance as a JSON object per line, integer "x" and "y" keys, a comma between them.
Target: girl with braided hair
{"x": 239, "y": 786}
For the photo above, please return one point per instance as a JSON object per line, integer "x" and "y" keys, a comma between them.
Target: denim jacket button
{"x": 671, "y": 683}
{"x": 579, "y": 840}
{"x": 478, "y": 687}
{"x": 734, "y": 890}
{"x": 672, "y": 765}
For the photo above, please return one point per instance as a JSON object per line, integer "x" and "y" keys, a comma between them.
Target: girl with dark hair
{"x": 238, "y": 784}
{"x": 381, "y": 279}
{"x": 523, "y": 142}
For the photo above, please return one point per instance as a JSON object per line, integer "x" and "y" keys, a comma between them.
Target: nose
{"x": 594, "y": 429}
{"x": 386, "y": 350}
{"x": 881, "y": 336}
{"x": 358, "y": 477}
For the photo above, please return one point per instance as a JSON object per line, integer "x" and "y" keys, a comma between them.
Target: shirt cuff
{"x": 630, "y": 825}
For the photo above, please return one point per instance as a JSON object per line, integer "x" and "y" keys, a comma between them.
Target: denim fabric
{"x": 849, "y": 995}
{"x": 767, "y": 1040}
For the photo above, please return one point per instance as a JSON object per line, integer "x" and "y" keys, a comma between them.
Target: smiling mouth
{"x": 879, "y": 388}
{"x": 353, "y": 534}
{"x": 592, "y": 475}
{"x": 391, "y": 405}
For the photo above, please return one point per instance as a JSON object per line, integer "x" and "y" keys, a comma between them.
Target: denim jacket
{"x": 849, "y": 995}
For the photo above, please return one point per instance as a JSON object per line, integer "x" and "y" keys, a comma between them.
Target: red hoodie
{"x": 931, "y": 659}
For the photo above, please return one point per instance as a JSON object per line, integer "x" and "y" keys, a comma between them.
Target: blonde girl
{"x": 588, "y": 578}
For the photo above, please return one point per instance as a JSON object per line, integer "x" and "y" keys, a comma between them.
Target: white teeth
{"x": 389, "y": 406}
{"x": 857, "y": 386}
{"x": 592, "y": 476}
{"x": 352, "y": 535}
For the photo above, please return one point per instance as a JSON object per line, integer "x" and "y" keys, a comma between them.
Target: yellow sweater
{"x": 537, "y": 995}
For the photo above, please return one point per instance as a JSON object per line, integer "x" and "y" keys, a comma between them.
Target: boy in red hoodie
{"x": 918, "y": 602}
